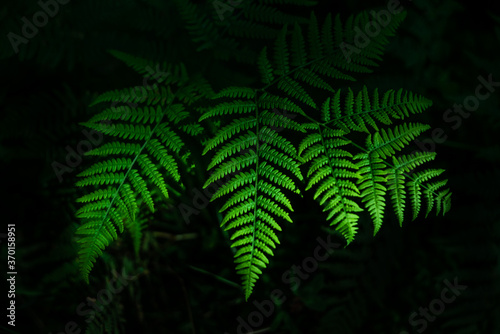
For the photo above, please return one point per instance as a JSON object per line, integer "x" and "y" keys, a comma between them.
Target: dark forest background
{"x": 184, "y": 278}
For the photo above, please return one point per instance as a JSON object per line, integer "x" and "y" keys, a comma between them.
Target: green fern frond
{"x": 200, "y": 25}
{"x": 360, "y": 111}
{"x": 161, "y": 73}
{"x": 265, "y": 68}
{"x": 150, "y": 95}
{"x": 396, "y": 178}
{"x": 376, "y": 179}
{"x": 297, "y": 66}
{"x": 331, "y": 169}
{"x": 228, "y": 131}
{"x": 145, "y": 134}
{"x": 213, "y": 25}
{"x": 115, "y": 148}
{"x": 304, "y": 63}
{"x": 435, "y": 198}
{"x": 255, "y": 164}
{"x": 264, "y": 164}
{"x": 385, "y": 143}
{"x": 360, "y": 59}
{"x": 415, "y": 186}
{"x": 380, "y": 145}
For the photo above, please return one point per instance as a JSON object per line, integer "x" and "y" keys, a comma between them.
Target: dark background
{"x": 372, "y": 286}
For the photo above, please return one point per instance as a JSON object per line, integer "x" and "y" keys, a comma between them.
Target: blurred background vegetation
{"x": 184, "y": 277}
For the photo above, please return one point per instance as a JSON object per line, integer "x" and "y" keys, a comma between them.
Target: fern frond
{"x": 228, "y": 131}
{"x": 377, "y": 179}
{"x": 228, "y": 108}
{"x": 115, "y": 148}
{"x": 371, "y": 185}
{"x": 385, "y": 143}
{"x": 313, "y": 61}
{"x": 213, "y": 26}
{"x": 296, "y": 67}
{"x": 149, "y": 95}
{"x": 200, "y": 26}
{"x": 146, "y": 136}
{"x": 396, "y": 178}
{"x": 359, "y": 111}
{"x": 264, "y": 164}
{"x": 415, "y": 186}
{"x": 331, "y": 169}
{"x": 265, "y": 67}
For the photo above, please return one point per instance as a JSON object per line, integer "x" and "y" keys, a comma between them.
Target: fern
{"x": 332, "y": 170}
{"x": 258, "y": 165}
{"x": 370, "y": 169}
{"x": 254, "y": 153}
{"x": 149, "y": 139}
{"x": 222, "y": 27}
{"x": 343, "y": 179}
